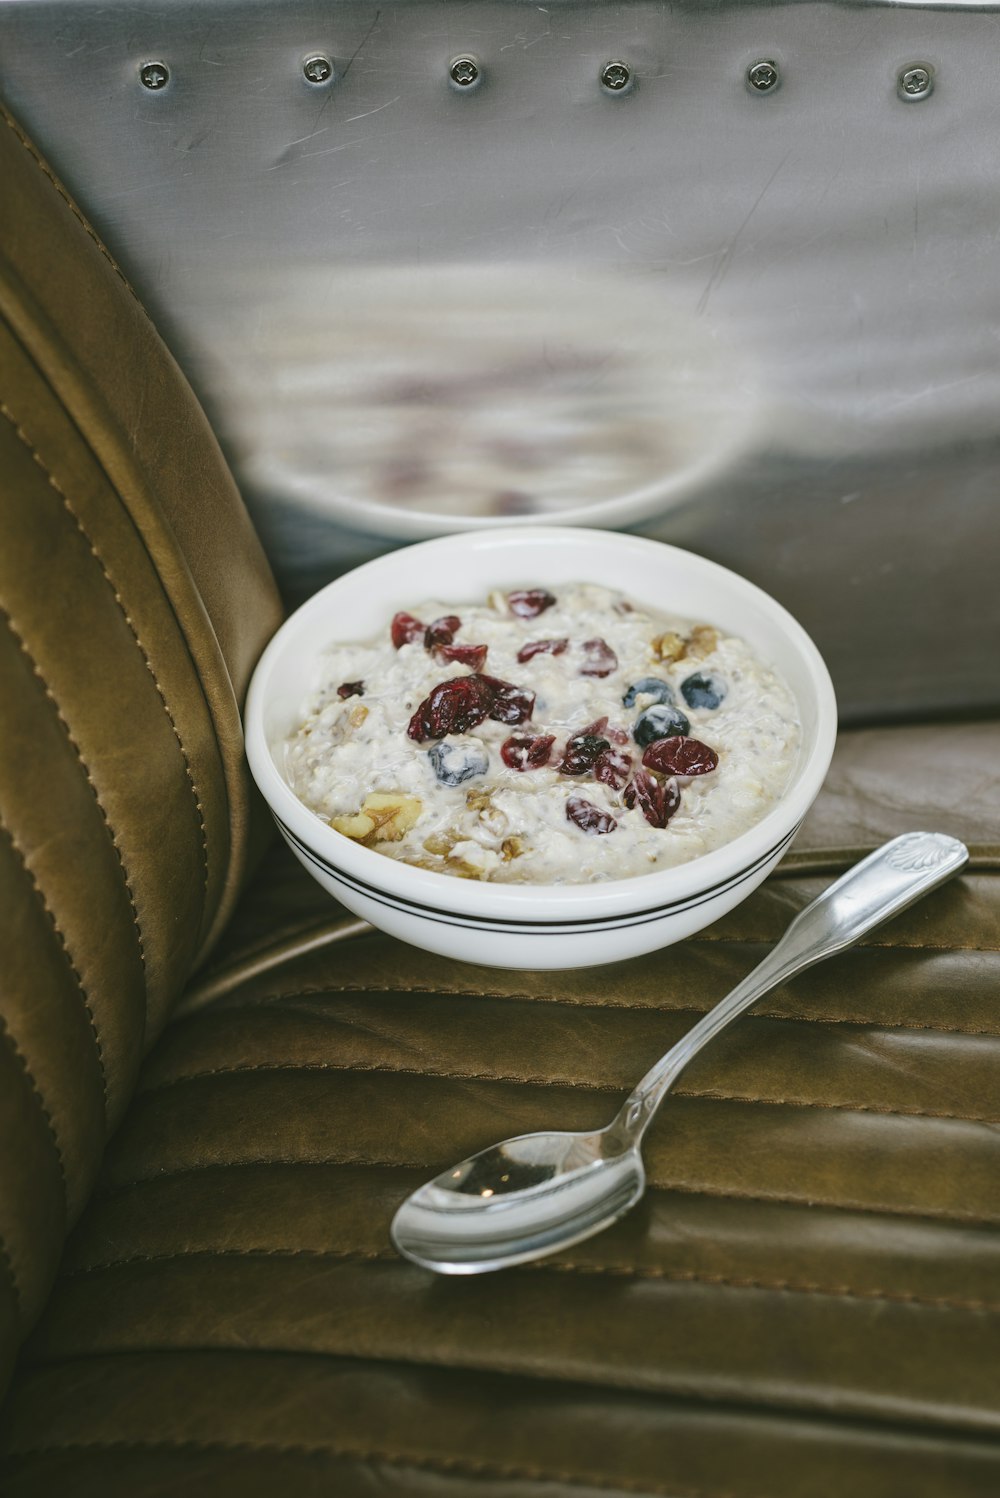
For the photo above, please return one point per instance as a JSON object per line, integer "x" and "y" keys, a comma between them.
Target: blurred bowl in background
{"x": 422, "y": 400}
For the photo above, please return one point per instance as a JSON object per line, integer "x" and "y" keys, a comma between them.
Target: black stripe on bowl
{"x": 535, "y": 928}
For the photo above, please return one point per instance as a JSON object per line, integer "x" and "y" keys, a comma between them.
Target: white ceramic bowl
{"x": 532, "y": 925}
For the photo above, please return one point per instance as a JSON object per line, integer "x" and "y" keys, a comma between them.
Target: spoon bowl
{"x": 516, "y": 1201}
{"x": 538, "y": 1193}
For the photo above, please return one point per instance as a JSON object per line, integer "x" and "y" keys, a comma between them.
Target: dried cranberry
{"x": 350, "y": 689}
{"x": 453, "y": 706}
{"x": 405, "y": 629}
{"x": 528, "y": 603}
{"x": 601, "y": 659}
{"x": 600, "y": 727}
{"x": 527, "y": 751}
{"x": 613, "y": 768}
{"x": 588, "y": 817}
{"x": 680, "y": 756}
{"x": 541, "y": 647}
{"x": 657, "y": 800}
{"x": 582, "y": 752}
{"x": 466, "y": 655}
{"x": 510, "y": 704}
{"x": 442, "y": 631}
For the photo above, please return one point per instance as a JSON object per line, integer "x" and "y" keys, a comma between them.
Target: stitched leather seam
{"x": 380, "y": 1070}
{"x": 7, "y": 1034}
{"x": 336, "y": 1255}
{"x": 64, "y": 945}
{"x": 708, "y": 1094}
{"x": 8, "y": 1264}
{"x": 867, "y": 1021}
{"x": 36, "y": 670}
{"x": 419, "y": 1460}
{"x": 792, "y": 1287}
{"x": 54, "y": 181}
{"x": 250, "y": 963}
{"x": 678, "y": 1186}
{"x": 54, "y": 484}
{"x": 552, "y": 1266}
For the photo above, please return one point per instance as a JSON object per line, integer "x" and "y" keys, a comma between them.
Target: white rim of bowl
{"x": 426, "y": 891}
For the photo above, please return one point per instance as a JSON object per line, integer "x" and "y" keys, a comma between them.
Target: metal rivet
{"x": 318, "y": 69}
{"x": 464, "y": 71}
{"x": 763, "y": 76}
{"x": 915, "y": 82}
{"x": 154, "y": 75}
{"x": 616, "y": 76}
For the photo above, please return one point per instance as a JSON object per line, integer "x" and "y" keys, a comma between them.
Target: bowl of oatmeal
{"x": 540, "y": 749}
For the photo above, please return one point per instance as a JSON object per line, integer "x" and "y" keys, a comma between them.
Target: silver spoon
{"x": 538, "y": 1193}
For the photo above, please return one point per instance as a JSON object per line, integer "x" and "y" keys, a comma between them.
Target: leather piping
{"x": 686, "y": 1188}
{"x": 417, "y": 1461}
{"x": 559, "y": 1266}
{"x": 90, "y": 781}
{"x": 24, "y": 438}
{"x": 61, "y": 939}
{"x": 217, "y": 984}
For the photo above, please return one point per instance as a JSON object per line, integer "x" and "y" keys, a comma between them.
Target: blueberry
{"x": 703, "y": 691}
{"x": 659, "y": 722}
{"x": 453, "y": 763}
{"x": 649, "y": 686}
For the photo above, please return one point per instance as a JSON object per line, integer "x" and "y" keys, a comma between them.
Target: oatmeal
{"x": 543, "y": 738}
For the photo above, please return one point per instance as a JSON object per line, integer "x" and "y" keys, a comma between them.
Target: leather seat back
{"x": 134, "y": 599}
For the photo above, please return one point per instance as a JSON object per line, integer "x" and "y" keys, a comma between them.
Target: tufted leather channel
{"x": 807, "y": 1302}
{"x": 134, "y": 599}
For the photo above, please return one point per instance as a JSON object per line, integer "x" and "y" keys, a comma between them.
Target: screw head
{"x": 763, "y": 76}
{"x": 464, "y": 71}
{"x": 318, "y": 69}
{"x": 915, "y": 82}
{"x": 154, "y": 75}
{"x": 616, "y": 76}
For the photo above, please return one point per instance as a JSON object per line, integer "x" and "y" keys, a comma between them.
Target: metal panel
{"x": 761, "y": 323}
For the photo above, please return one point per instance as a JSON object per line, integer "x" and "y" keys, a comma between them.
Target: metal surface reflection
{"x": 762, "y": 322}
{"x": 427, "y": 399}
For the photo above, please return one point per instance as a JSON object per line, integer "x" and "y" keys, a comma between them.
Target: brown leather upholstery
{"x": 806, "y": 1302}
{"x": 804, "y": 1305}
{"x": 134, "y": 599}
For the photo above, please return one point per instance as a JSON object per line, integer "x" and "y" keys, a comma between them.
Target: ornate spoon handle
{"x": 880, "y": 886}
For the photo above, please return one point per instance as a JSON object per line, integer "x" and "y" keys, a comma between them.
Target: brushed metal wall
{"x": 761, "y": 323}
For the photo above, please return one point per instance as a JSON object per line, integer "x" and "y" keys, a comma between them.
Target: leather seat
{"x": 805, "y": 1302}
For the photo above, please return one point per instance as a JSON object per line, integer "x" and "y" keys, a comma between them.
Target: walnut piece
{"x": 671, "y": 646}
{"x": 702, "y": 640}
{"x": 357, "y": 716}
{"x": 357, "y": 827}
{"x": 442, "y": 843}
{"x": 385, "y": 817}
{"x": 668, "y": 647}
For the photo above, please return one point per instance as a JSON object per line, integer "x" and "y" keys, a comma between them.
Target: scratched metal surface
{"x": 764, "y": 326}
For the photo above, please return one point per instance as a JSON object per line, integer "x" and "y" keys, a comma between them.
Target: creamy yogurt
{"x": 389, "y": 758}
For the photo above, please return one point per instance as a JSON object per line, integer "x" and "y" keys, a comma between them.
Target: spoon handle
{"x": 880, "y": 886}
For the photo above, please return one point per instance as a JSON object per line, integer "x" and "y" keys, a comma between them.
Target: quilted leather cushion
{"x": 134, "y": 599}
{"x": 806, "y": 1302}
